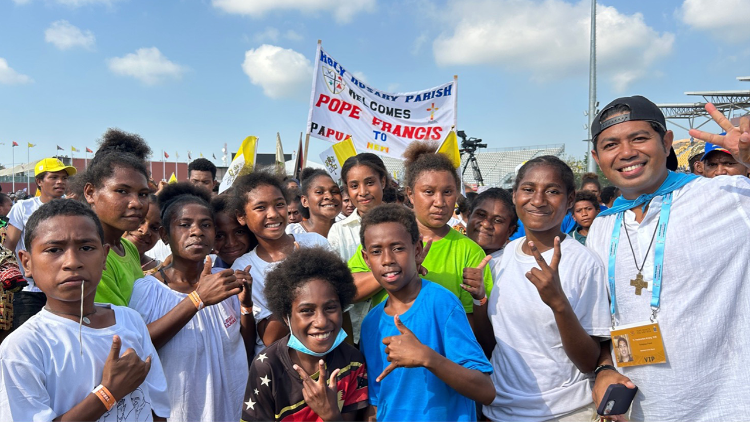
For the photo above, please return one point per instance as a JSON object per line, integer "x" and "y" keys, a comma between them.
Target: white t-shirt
{"x": 160, "y": 251}
{"x": 705, "y": 300}
{"x": 259, "y": 270}
{"x": 43, "y": 374}
{"x": 17, "y": 217}
{"x": 295, "y": 228}
{"x": 205, "y": 363}
{"x": 495, "y": 261}
{"x": 534, "y": 378}
{"x": 344, "y": 236}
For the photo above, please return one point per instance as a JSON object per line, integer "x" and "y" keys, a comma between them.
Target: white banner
{"x": 342, "y": 106}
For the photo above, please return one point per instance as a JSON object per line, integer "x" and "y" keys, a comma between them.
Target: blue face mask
{"x": 297, "y": 345}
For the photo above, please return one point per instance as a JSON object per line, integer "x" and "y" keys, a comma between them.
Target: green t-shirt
{"x": 118, "y": 278}
{"x": 445, "y": 263}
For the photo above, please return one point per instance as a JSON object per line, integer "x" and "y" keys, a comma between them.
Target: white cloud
{"x": 147, "y": 65}
{"x": 360, "y": 76}
{"x": 343, "y": 10}
{"x": 269, "y": 34}
{"x": 273, "y": 35}
{"x": 281, "y": 72}
{"x": 293, "y": 35}
{"x": 550, "y": 39}
{"x": 724, "y": 19}
{"x": 8, "y": 76}
{"x": 64, "y": 36}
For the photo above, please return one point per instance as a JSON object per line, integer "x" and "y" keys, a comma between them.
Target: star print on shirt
{"x": 264, "y": 380}
{"x": 256, "y": 391}
{"x": 262, "y": 357}
{"x": 250, "y": 404}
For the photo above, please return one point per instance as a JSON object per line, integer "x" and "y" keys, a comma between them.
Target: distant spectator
{"x": 590, "y": 182}
{"x": 585, "y": 209}
{"x": 202, "y": 172}
{"x": 717, "y": 161}
{"x": 609, "y": 194}
{"x": 696, "y": 164}
{"x": 5, "y": 204}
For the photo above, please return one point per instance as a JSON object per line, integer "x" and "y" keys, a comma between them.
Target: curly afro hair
{"x": 300, "y": 267}
{"x": 421, "y": 157}
{"x": 173, "y": 197}
{"x": 117, "y": 149}
{"x": 390, "y": 213}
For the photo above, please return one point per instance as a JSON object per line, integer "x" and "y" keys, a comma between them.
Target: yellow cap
{"x": 53, "y": 164}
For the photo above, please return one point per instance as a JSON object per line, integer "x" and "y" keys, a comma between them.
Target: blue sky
{"x": 193, "y": 75}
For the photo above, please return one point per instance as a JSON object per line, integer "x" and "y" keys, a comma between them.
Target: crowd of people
{"x": 359, "y": 299}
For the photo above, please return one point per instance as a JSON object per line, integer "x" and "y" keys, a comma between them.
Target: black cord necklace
{"x": 638, "y": 282}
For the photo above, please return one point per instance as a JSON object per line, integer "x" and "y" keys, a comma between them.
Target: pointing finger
{"x": 322, "y": 372}
{"x": 114, "y": 352}
{"x": 332, "y": 379}
{"x": 556, "y": 255}
{"x": 385, "y": 372}
{"x": 538, "y": 256}
{"x": 719, "y": 117}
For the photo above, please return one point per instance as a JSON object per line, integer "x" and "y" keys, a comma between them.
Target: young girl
{"x": 321, "y": 197}
{"x": 146, "y": 236}
{"x": 232, "y": 239}
{"x": 548, "y": 308}
{"x": 365, "y": 178}
{"x": 75, "y": 360}
{"x": 260, "y": 205}
{"x": 294, "y": 208}
{"x": 117, "y": 190}
{"x": 347, "y": 208}
{"x": 432, "y": 186}
{"x": 203, "y": 347}
{"x": 310, "y": 374}
{"x": 492, "y": 219}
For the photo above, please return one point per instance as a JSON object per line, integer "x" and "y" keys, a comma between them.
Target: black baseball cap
{"x": 640, "y": 109}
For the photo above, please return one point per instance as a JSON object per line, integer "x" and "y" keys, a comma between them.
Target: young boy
{"x": 65, "y": 361}
{"x": 436, "y": 367}
{"x": 585, "y": 209}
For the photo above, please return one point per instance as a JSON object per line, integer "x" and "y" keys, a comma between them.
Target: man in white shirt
{"x": 700, "y": 302}
{"x": 51, "y": 177}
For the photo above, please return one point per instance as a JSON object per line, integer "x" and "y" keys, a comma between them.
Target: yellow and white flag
{"x": 449, "y": 147}
{"x": 334, "y": 157}
{"x": 242, "y": 164}
{"x": 280, "y": 162}
{"x": 172, "y": 179}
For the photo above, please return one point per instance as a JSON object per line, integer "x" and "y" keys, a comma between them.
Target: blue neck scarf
{"x": 672, "y": 182}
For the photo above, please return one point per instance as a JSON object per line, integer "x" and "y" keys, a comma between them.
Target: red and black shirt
{"x": 274, "y": 388}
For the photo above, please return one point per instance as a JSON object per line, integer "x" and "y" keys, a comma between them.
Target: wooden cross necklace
{"x": 639, "y": 283}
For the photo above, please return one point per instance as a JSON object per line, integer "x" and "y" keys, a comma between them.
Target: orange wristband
{"x": 246, "y": 311}
{"x": 105, "y": 396}
{"x": 196, "y": 300}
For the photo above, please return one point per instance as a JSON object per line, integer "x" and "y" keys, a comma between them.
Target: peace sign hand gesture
{"x": 321, "y": 395}
{"x": 404, "y": 350}
{"x": 736, "y": 140}
{"x": 473, "y": 281}
{"x": 547, "y": 279}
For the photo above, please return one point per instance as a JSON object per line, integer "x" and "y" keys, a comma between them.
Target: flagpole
{"x": 176, "y": 173}
{"x": 307, "y": 144}
{"x": 13, "y": 167}
{"x": 28, "y": 187}
{"x": 163, "y": 167}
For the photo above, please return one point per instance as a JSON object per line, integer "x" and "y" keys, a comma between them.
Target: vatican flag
{"x": 242, "y": 164}
{"x": 334, "y": 157}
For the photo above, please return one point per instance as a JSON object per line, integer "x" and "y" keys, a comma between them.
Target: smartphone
{"x": 616, "y": 400}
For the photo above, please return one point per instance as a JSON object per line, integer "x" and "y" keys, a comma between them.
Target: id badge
{"x": 638, "y": 344}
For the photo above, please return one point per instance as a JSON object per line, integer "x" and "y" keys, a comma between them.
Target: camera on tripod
{"x": 469, "y": 145}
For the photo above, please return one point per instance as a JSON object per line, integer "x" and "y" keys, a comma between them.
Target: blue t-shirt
{"x": 438, "y": 320}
